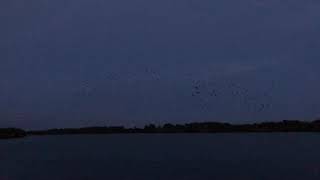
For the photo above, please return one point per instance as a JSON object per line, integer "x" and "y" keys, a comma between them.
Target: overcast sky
{"x": 71, "y": 63}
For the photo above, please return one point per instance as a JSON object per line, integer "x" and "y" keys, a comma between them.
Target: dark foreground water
{"x": 168, "y": 157}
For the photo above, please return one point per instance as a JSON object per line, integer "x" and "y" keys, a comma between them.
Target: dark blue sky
{"x": 66, "y": 63}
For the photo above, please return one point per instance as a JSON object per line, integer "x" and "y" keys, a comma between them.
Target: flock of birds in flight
{"x": 206, "y": 93}
{"x": 234, "y": 91}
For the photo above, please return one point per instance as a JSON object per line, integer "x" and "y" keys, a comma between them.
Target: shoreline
{"x": 286, "y": 126}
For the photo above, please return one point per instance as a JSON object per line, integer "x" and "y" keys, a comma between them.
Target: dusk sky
{"x": 71, "y": 63}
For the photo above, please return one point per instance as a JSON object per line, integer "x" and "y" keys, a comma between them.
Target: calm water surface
{"x": 168, "y": 157}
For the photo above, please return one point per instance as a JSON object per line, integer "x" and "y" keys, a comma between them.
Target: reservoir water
{"x": 273, "y": 156}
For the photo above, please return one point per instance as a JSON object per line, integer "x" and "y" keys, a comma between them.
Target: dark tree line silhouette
{"x": 203, "y": 127}
{"x": 6, "y": 133}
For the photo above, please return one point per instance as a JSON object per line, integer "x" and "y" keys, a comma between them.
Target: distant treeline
{"x": 6, "y": 133}
{"x": 204, "y": 127}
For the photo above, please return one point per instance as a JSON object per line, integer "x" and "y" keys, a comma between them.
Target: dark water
{"x": 168, "y": 157}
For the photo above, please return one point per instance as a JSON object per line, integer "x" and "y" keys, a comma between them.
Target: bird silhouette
{"x": 255, "y": 100}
